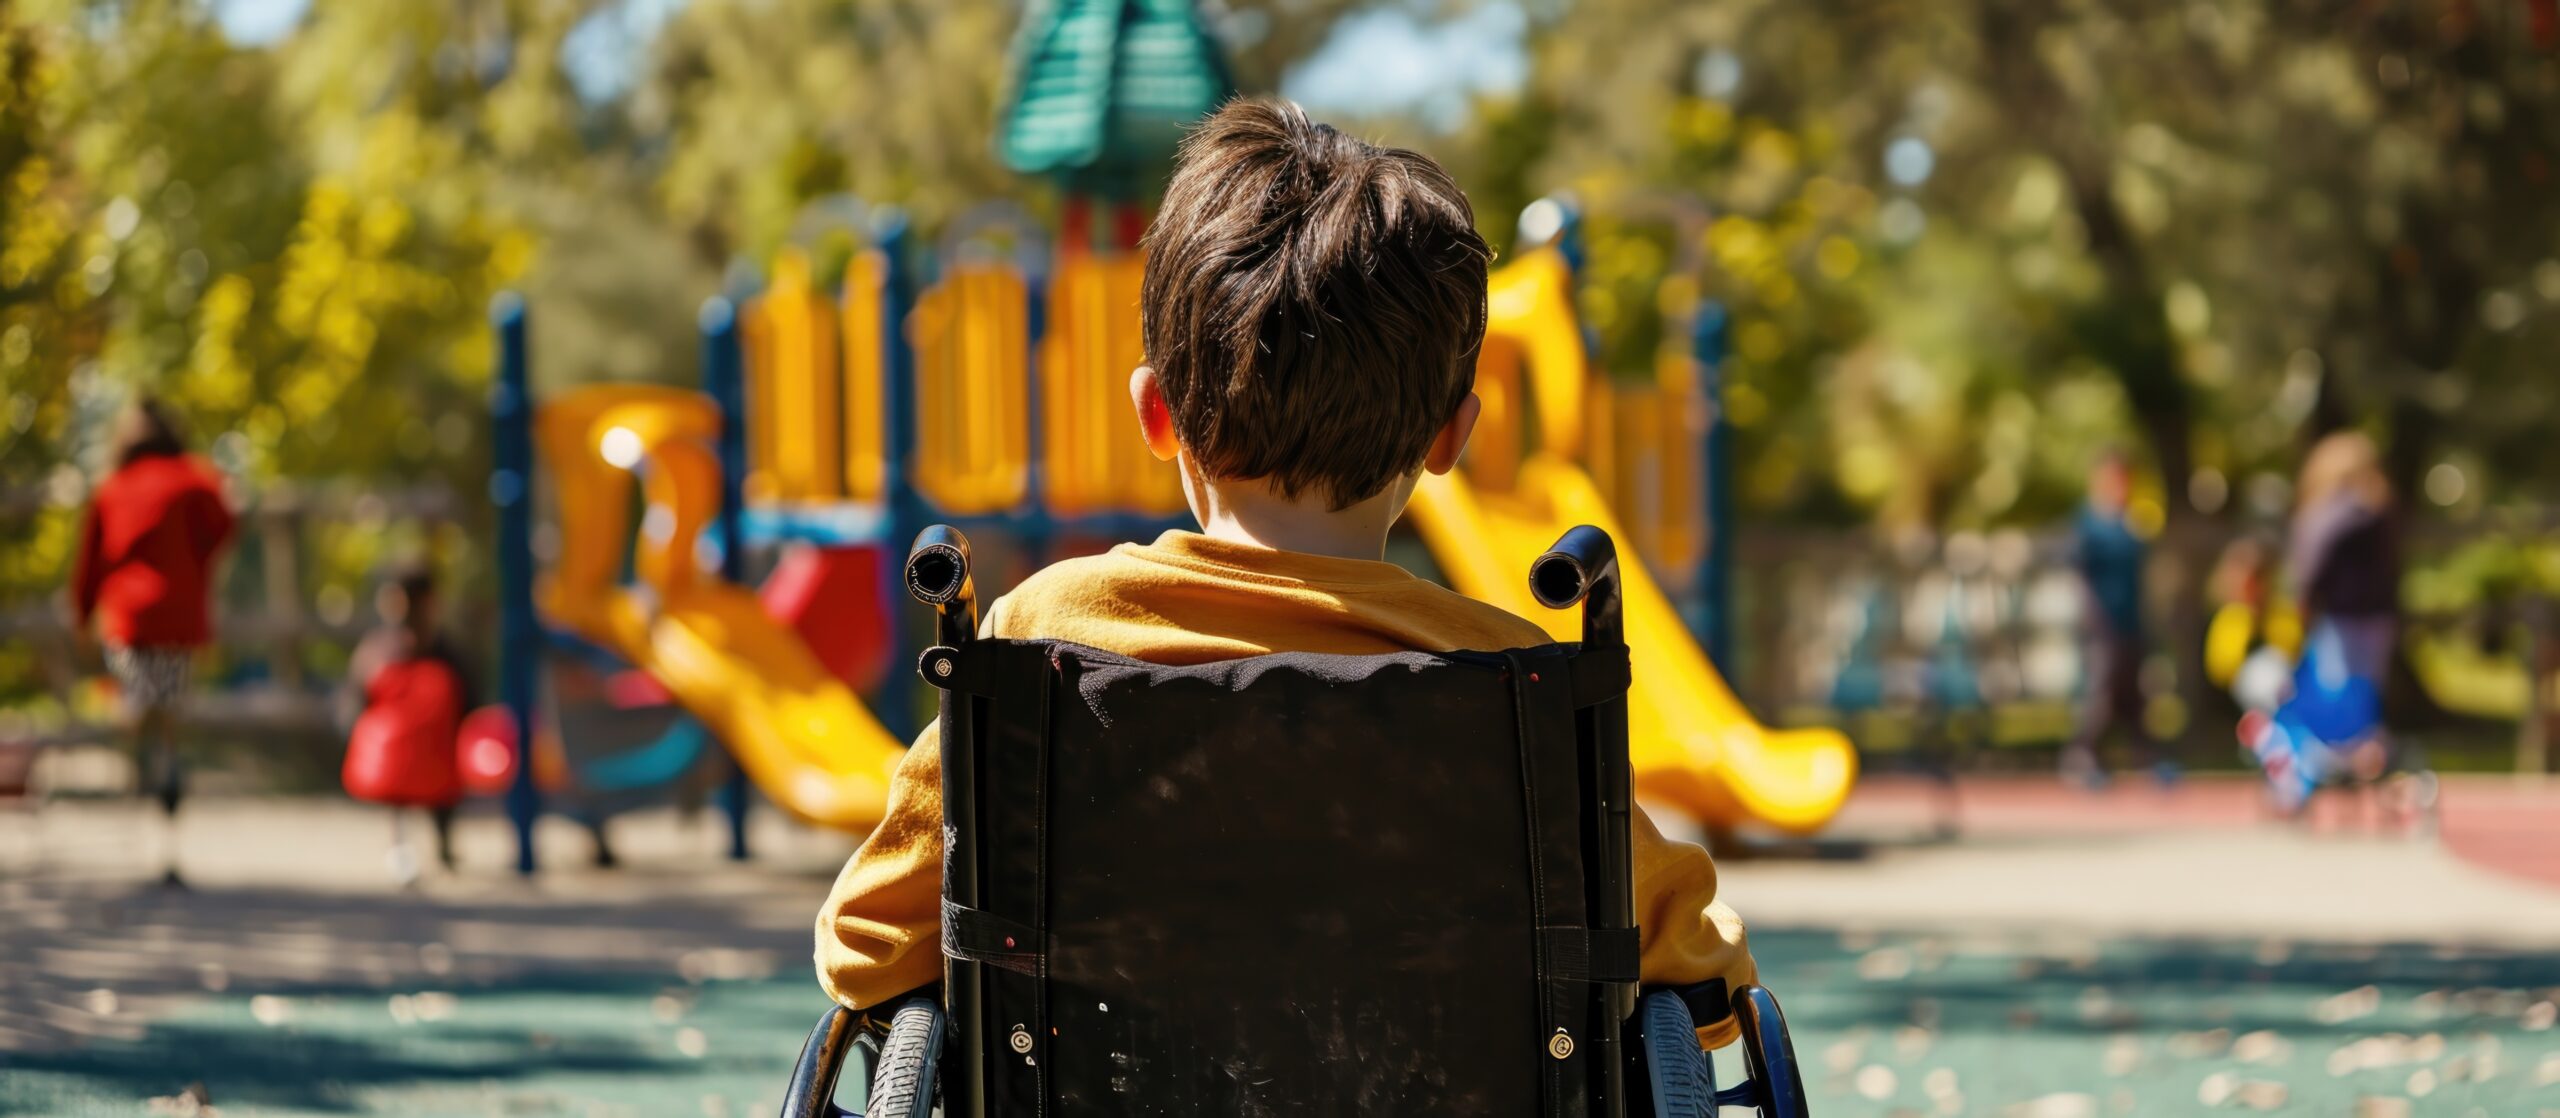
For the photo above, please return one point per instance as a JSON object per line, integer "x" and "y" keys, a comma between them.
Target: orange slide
{"x": 798, "y": 731}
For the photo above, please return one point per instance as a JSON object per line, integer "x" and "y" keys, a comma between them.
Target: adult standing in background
{"x": 2110, "y": 555}
{"x": 2343, "y": 557}
{"x": 143, "y": 577}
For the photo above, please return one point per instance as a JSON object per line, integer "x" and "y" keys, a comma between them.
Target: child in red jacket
{"x": 142, "y": 578}
{"x": 412, "y": 688}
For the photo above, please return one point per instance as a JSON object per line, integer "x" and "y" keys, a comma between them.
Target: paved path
{"x": 2203, "y": 861}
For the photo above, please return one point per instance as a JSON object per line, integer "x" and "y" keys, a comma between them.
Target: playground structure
{"x": 856, "y": 432}
{"x": 827, "y": 437}
{"x": 1523, "y": 481}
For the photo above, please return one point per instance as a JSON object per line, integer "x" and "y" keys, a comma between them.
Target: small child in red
{"x": 415, "y": 690}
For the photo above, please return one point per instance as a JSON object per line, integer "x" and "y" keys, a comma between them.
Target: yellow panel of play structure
{"x": 1693, "y": 744}
{"x": 1092, "y": 456}
{"x": 1644, "y": 458}
{"x": 1680, "y": 513}
{"x": 972, "y": 339}
{"x": 795, "y": 729}
{"x": 755, "y": 351}
{"x": 1530, "y": 304}
{"x": 866, "y": 335}
{"x": 796, "y": 339}
{"x": 1621, "y": 441}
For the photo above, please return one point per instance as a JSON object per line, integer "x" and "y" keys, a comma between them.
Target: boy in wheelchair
{"x": 1317, "y": 842}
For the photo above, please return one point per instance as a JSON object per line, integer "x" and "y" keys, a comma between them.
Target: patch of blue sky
{"x": 1391, "y": 61}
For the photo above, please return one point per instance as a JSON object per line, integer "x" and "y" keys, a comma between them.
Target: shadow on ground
{"x": 290, "y": 1003}
{"x": 1976, "y": 1024}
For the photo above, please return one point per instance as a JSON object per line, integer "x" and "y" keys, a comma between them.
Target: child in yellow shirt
{"x": 1312, "y": 310}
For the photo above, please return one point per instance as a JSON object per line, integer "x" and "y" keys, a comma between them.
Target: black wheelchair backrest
{"x": 1292, "y": 884}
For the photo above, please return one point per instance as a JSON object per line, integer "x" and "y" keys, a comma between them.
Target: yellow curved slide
{"x": 797, "y": 731}
{"x": 1692, "y": 743}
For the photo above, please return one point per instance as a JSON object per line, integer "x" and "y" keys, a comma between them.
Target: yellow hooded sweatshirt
{"x": 1191, "y": 599}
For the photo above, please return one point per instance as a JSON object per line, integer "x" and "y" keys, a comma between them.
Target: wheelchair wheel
{"x": 1777, "y": 1087}
{"x": 1682, "y": 1081}
{"x": 812, "y": 1092}
{"x": 902, "y": 1084}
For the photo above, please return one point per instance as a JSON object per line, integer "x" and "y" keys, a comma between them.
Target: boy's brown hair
{"x": 1313, "y": 303}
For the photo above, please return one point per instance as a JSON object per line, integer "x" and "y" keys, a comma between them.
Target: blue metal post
{"x": 724, "y": 378}
{"x": 520, "y": 628}
{"x": 1037, "y": 525}
{"x": 904, "y": 508}
{"x": 1715, "y": 571}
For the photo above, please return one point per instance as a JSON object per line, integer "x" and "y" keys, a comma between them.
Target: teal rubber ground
{"x": 1891, "y": 1025}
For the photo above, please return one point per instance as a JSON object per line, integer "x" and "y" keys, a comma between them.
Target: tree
{"x": 295, "y": 246}
{"x": 764, "y": 105}
{"x": 2248, "y": 222}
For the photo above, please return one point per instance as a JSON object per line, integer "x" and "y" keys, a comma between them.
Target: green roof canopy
{"x": 1103, "y": 89}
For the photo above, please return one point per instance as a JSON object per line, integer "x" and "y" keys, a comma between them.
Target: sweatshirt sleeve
{"x": 880, "y": 934}
{"x": 1688, "y": 935}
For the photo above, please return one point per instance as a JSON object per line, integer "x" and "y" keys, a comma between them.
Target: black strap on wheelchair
{"x": 1599, "y": 675}
{"x": 980, "y": 936}
{"x": 1024, "y": 677}
{"x": 1590, "y": 954}
{"x": 1565, "y": 948}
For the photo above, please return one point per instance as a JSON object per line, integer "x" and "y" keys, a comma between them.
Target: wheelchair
{"x": 1290, "y": 884}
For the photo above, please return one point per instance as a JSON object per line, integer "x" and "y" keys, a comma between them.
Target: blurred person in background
{"x": 2343, "y": 556}
{"x": 143, "y": 578}
{"x": 2250, "y": 643}
{"x": 2110, "y": 554}
{"x": 407, "y": 691}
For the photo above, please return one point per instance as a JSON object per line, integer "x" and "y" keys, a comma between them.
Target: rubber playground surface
{"x": 2055, "y": 975}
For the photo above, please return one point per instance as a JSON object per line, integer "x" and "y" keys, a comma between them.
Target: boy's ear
{"x": 1452, "y": 439}
{"x": 1155, "y": 420}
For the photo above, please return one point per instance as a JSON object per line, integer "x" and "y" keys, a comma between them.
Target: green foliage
{"x": 764, "y": 105}
{"x": 293, "y": 246}
{"x": 767, "y": 104}
{"x": 2207, "y": 232}
{"x": 2211, "y": 232}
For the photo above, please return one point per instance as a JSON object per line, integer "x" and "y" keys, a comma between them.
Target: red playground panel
{"x": 836, "y": 599}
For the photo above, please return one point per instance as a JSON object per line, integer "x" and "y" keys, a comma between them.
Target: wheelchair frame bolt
{"x": 1560, "y": 1045}
{"x": 942, "y": 668}
{"x": 1021, "y": 1041}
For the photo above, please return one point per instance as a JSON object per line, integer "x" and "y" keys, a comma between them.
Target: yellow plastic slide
{"x": 1692, "y": 743}
{"x": 798, "y": 731}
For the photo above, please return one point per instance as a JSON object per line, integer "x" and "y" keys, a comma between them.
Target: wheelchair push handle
{"x": 937, "y": 575}
{"x": 1582, "y": 567}
{"x": 1576, "y": 562}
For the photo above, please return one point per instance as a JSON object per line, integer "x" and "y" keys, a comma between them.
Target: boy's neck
{"x": 1252, "y": 513}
